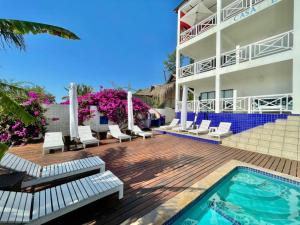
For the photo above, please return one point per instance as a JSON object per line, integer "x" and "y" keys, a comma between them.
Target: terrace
{"x": 153, "y": 171}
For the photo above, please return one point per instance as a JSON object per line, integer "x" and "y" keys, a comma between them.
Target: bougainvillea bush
{"x": 13, "y": 131}
{"x": 113, "y": 104}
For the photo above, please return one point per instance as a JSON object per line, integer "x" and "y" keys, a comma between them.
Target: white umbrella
{"x": 196, "y": 14}
{"x": 130, "y": 111}
{"x": 183, "y": 116}
{"x": 73, "y": 111}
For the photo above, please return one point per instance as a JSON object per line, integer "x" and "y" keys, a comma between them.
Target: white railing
{"x": 235, "y": 56}
{"x": 254, "y": 104}
{"x": 198, "y": 67}
{"x": 199, "y": 28}
{"x": 251, "y": 104}
{"x": 276, "y": 44}
{"x": 237, "y": 7}
{"x": 272, "y": 45}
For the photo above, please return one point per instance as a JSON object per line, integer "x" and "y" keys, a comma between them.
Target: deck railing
{"x": 237, "y": 7}
{"x": 199, "y": 28}
{"x": 251, "y": 104}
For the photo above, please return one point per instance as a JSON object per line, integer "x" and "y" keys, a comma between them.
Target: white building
{"x": 246, "y": 56}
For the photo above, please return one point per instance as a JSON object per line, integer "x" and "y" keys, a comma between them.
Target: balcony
{"x": 252, "y": 104}
{"x": 199, "y": 28}
{"x": 243, "y": 7}
{"x": 273, "y": 45}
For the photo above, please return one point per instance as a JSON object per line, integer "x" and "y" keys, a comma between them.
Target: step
{"x": 293, "y": 118}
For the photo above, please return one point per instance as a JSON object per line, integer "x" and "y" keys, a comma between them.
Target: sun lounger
{"x": 46, "y": 205}
{"x": 86, "y": 137}
{"x": 53, "y": 172}
{"x": 53, "y": 140}
{"x": 202, "y": 129}
{"x": 137, "y": 131}
{"x": 116, "y": 133}
{"x": 222, "y": 130}
{"x": 189, "y": 125}
{"x": 173, "y": 124}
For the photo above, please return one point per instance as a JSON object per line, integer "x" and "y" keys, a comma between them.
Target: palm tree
{"x": 12, "y": 34}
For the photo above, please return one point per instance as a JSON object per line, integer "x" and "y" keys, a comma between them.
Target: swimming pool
{"x": 245, "y": 196}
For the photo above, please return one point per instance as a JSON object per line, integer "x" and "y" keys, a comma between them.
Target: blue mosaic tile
{"x": 240, "y": 121}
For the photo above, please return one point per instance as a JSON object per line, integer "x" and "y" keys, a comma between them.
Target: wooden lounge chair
{"x": 203, "y": 128}
{"x": 172, "y": 125}
{"x": 137, "y": 131}
{"x": 221, "y": 131}
{"x": 116, "y": 133}
{"x": 53, "y": 140}
{"x": 53, "y": 172}
{"x": 86, "y": 137}
{"x": 189, "y": 125}
{"x": 46, "y": 205}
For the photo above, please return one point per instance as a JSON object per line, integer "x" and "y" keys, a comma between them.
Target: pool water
{"x": 245, "y": 196}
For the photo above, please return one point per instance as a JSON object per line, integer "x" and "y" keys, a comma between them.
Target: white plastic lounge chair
{"x": 137, "y": 131}
{"x": 189, "y": 125}
{"x": 53, "y": 140}
{"x": 203, "y": 128}
{"x": 173, "y": 124}
{"x": 116, "y": 133}
{"x": 86, "y": 137}
{"x": 46, "y": 205}
{"x": 53, "y": 172}
{"x": 222, "y": 130}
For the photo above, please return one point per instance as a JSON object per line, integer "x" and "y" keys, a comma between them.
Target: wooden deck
{"x": 153, "y": 170}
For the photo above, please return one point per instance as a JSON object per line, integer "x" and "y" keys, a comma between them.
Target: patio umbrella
{"x": 183, "y": 116}
{"x": 196, "y": 14}
{"x": 73, "y": 108}
{"x": 130, "y": 111}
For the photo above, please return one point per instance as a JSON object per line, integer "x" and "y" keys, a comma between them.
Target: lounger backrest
{"x": 204, "y": 125}
{"x": 174, "y": 122}
{"x": 224, "y": 127}
{"x": 14, "y": 162}
{"x": 137, "y": 129}
{"x": 53, "y": 137}
{"x": 114, "y": 130}
{"x": 189, "y": 124}
{"x": 85, "y": 132}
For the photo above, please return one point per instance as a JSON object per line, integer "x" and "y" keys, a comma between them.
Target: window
{"x": 212, "y": 94}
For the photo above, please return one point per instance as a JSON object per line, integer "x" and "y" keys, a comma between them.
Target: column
{"x": 184, "y": 106}
{"x": 218, "y": 57}
{"x": 177, "y": 87}
{"x": 296, "y": 59}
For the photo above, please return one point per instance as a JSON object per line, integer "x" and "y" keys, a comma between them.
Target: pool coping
{"x": 170, "y": 208}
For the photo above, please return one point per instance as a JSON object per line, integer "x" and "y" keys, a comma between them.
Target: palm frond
{"x": 10, "y": 106}
{"x": 13, "y": 88}
{"x": 12, "y": 31}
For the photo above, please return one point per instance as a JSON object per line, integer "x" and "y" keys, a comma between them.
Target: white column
{"x": 177, "y": 87}
{"x": 184, "y": 106}
{"x": 218, "y": 57}
{"x": 237, "y": 54}
{"x": 234, "y": 100}
{"x": 296, "y": 61}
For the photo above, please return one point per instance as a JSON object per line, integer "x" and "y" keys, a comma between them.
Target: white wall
{"x": 168, "y": 113}
{"x": 57, "y": 117}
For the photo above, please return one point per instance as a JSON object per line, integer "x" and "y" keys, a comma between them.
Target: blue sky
{"x": 121, "y": 41}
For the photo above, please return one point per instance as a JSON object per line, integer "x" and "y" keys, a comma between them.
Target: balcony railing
{"x": 251, "y": 104}
{"x": 237, "y": 7}
{"x": 199, "y": 28}
{"x": 198, "y": 67}
{"x": 276, "y": 44}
